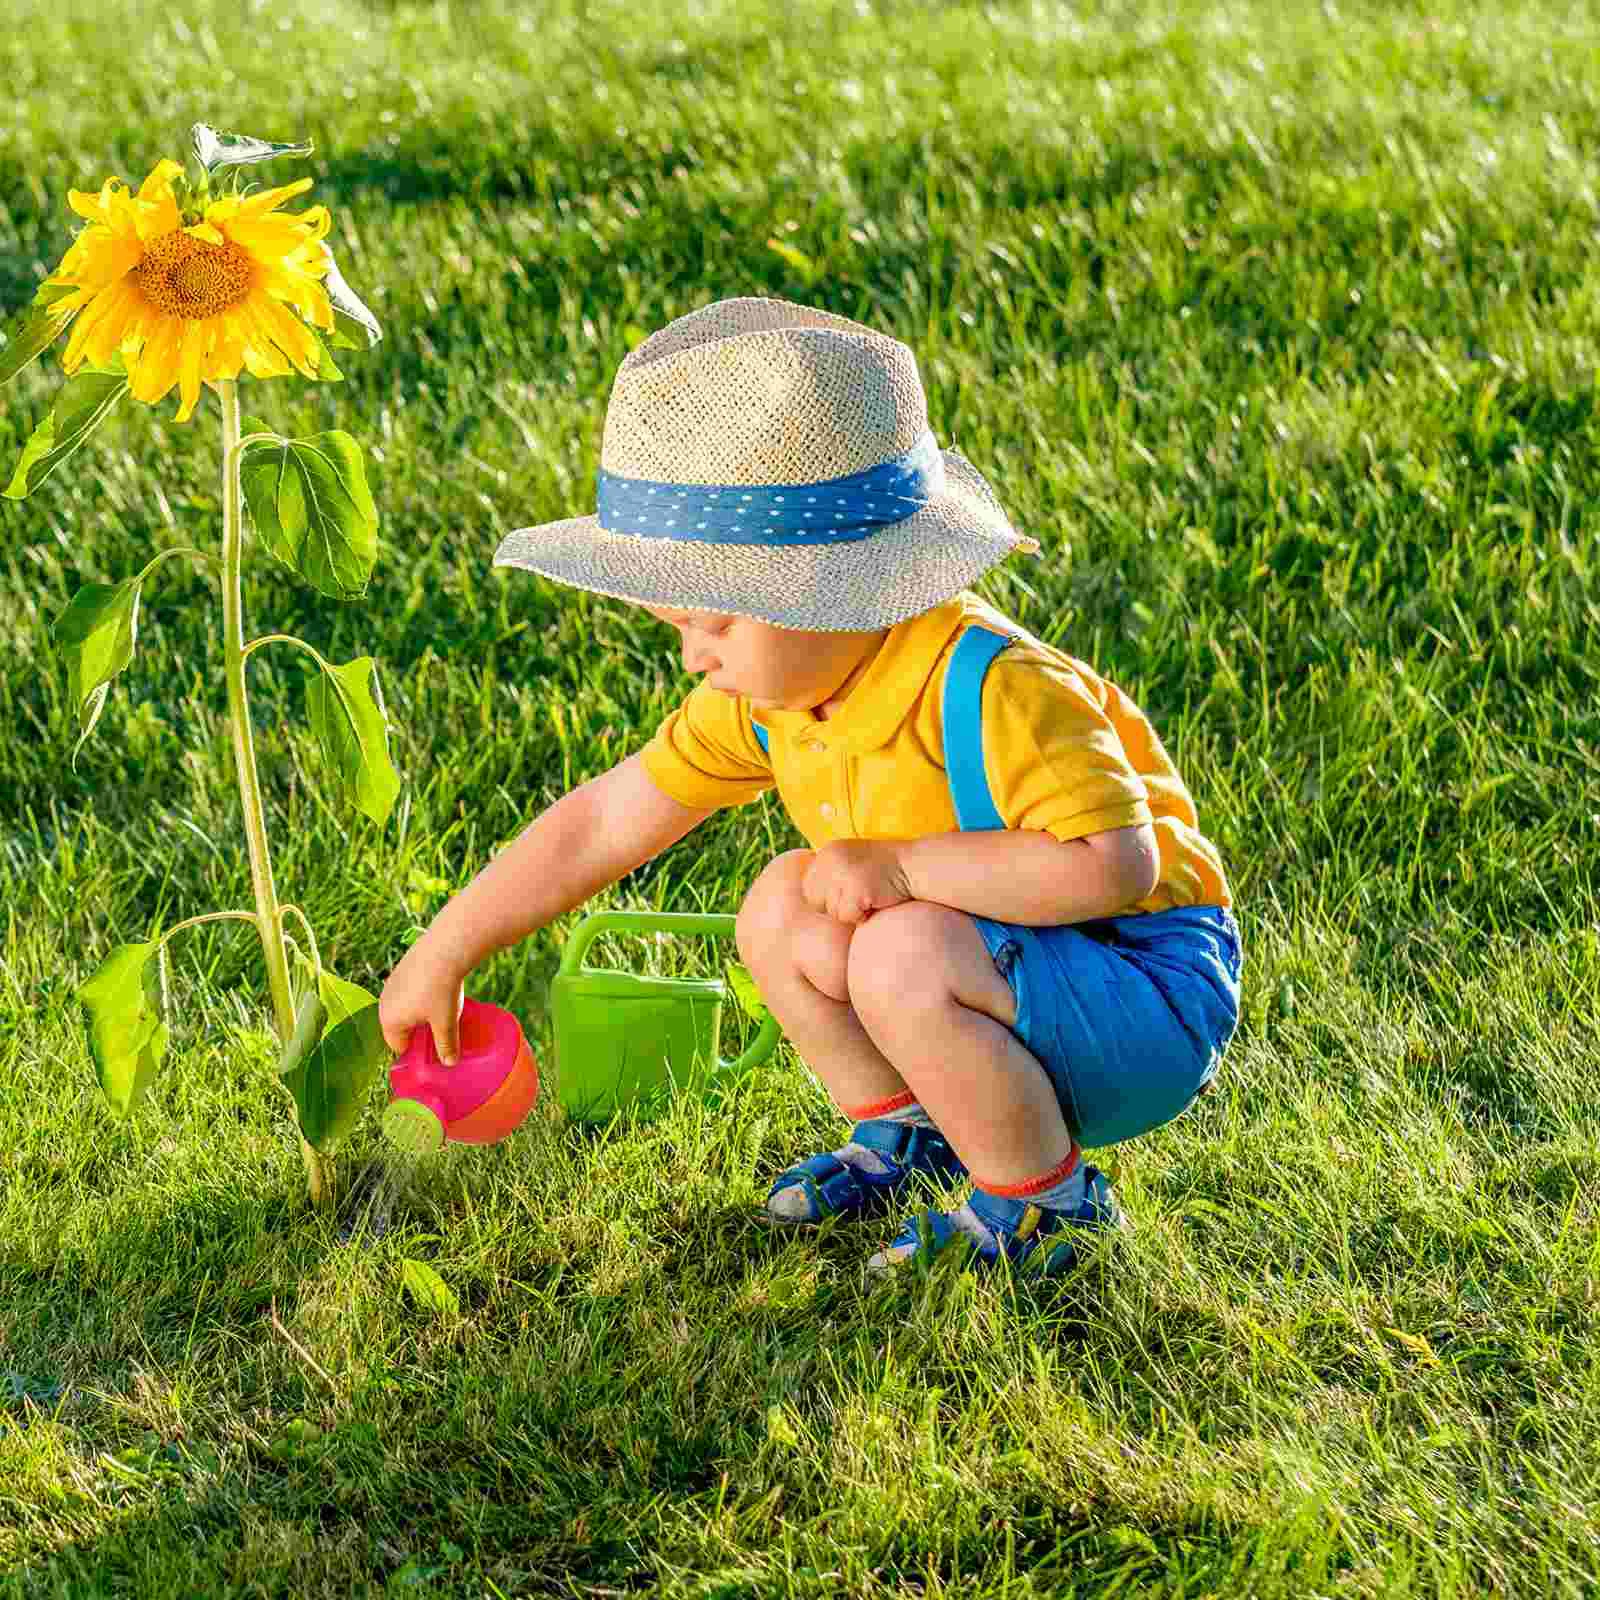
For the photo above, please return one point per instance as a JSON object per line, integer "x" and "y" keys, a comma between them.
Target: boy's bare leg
{"x": 926, "y": 991}
{"x": 799, "y": 959}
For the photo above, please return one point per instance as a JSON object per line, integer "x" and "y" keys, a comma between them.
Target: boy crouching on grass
{"x": 1008, "y": 938}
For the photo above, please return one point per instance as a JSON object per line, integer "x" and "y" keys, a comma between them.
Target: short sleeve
{"x": 1054, "y": 758}
{"x": 704, "y": 753}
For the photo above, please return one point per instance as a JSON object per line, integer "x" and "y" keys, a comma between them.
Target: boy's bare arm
{"x": 589, "y": 838}
{"x": 1031, "y": 877}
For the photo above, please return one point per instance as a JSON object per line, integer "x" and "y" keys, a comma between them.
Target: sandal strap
{"x": 831, "y": 1185}
{"x": 904, "y": 1143}
{"x": 939, "y": 1228}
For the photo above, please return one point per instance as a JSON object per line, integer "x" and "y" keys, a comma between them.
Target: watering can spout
{"x": 627, "y": 1042}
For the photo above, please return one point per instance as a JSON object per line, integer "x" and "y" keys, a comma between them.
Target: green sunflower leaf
{"x": 330, "y": 1082}
{"x": 311, "y": 506}
{"x": 349, "y": 723}
{"x": 327, "y": 371}
{"x": 341, "y": 997}
{"x": 97, "y": 633}
{"x": 83, "y": 403}
{"x": 32, "y": 330}
{"x": 127, "y": 1037}
{"x": 308, "y": 1025}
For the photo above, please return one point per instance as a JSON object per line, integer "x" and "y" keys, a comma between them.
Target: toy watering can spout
{"x": 629, "y": 1042}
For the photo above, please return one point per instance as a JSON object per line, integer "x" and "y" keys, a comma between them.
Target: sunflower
{"x": 190, "y": 304}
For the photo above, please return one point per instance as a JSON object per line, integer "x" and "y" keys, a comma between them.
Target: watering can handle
{"x": 712, "y": 922}
{"x": 599, "y": 922}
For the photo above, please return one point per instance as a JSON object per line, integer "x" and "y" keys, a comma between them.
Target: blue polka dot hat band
{"x": 831, "y": 512}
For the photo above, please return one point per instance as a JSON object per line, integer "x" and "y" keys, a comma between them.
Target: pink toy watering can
{"x": 480, "y": 1100}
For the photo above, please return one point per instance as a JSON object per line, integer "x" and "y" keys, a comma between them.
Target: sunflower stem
{"x": 269, "y": 922}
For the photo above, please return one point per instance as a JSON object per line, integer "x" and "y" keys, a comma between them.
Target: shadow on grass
{"x": 569, "y": 1428}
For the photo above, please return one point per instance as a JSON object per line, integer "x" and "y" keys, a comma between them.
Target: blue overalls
{"x": 1128, "y": 1015}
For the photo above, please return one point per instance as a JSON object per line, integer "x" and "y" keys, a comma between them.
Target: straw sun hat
{"x": 774, "y": 461}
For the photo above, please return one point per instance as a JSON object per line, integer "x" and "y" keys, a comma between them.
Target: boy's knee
{"x": 767, "y": 911}
{"x": 908, "y": 955}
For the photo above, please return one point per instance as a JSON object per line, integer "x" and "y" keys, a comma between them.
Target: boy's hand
{"x": 422, "y": 991}
{"x": 849, "y": 879}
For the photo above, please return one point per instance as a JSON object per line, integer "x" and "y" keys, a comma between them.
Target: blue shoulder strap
{"x": 961, "y": 712}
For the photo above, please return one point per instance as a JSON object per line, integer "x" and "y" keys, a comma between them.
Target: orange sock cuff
{"x": 1032, "y": 1186}
{"x": 880, "y": 1108}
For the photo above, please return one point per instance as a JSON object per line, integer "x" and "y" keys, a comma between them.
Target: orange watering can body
{"x": 625, "y": 1042}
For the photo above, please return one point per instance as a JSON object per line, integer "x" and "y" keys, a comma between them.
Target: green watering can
{"x": 628, "y": 1043}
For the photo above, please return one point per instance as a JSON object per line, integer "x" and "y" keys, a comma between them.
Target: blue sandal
{"x": 1033, "y": 1239}
{"x": 833, "y": 1188}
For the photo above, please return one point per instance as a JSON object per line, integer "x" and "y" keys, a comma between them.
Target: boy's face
{"x": 785, "y": 668}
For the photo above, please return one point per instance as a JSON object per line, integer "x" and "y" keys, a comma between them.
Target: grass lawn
{"x": 1275, "y": 324}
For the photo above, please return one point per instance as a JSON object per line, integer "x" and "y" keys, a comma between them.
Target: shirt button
{"x": 827, "y": 808}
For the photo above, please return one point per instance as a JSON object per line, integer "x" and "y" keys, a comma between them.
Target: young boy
{"x": 1008, "y": 937}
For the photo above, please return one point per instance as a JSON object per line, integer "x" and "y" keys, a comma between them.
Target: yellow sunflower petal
{"x": 137, "y": 326}
{"x": 261, "y": 357}
{"x": 98, "y": 258}
{"x": 159, "y": 182}
{"x": 315, "y": 306}
{"x": 272, "y": 239}
{"x": 306, "y": 295}
{"x": 256, "y": 205}
{"x": 191, "y": 358}
{"x": 155, "y": 369}
{"x": 204, "y": 230}
{"x": 96, "y": 207}
{"x": 158, "y": 216}
{"x": 228, "y": 354}
{"x": 110, "y": 332}
{"x": 106, "y": 305}
{"x": 290, "y": 334}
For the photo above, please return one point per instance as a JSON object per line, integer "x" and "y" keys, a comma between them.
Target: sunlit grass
{"x": 1275, "y": 325}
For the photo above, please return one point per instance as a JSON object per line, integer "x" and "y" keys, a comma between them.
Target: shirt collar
{"x": 893, "y": 682}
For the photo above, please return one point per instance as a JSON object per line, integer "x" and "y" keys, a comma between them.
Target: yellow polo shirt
{"x": 1065, "y": 752}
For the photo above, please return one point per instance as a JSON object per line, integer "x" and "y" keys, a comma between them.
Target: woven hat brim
{"x": 855, "y": 587}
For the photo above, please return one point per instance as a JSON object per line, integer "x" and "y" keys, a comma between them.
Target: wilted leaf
{"x": 310, "y": 504}
{"x": 350, "y": 725}
{"x": 83, "y": 403}
{"x": 331, "y": 1084}
{"x": 213, "y": 149}
{"x": 126, "y": 1034}
{"x": 347, "y": 307}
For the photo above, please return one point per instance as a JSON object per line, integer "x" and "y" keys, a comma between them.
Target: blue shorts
{"x": 1128, "y": 1015}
